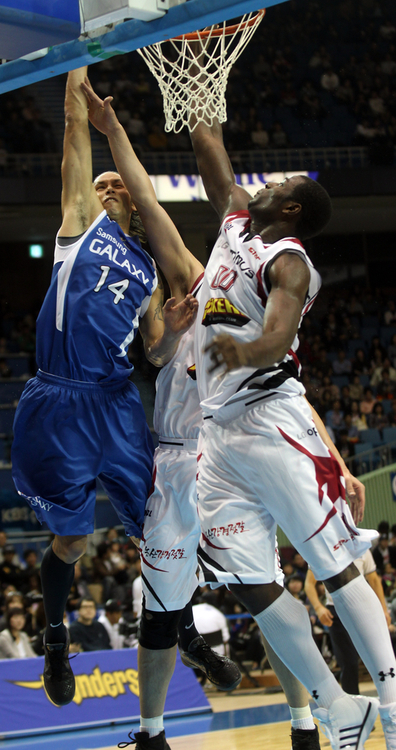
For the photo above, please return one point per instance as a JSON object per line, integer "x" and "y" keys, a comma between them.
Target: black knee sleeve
{"x": 158, "y": 629}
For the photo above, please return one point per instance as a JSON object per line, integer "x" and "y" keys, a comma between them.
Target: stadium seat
{"x": 389, "y": 434}
{"x": 370, "y": 436}
{"x": 340, "y": 380}
{"x": 364, "y": 380}
{"x": 386, "y": 333}
{"x": 387, "y": 406}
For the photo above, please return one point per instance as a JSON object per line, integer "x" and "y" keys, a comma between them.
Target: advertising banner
{"x": 106, "y": 691}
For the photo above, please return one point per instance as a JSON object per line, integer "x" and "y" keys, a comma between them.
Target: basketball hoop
{"x": 192, "y": 70}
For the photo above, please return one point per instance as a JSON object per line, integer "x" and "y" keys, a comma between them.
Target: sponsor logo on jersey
{"x": 96, "y": 247}
{"x": 192, "y": 372}
{"x": 253, "y": 252}
{"x": 37, "y": 501}
{"x": 310, "y": 432}
{"x": 220, "y": 310}
{"x": 229, "y": 530}
{"x": 224, "y": 279}
{"x": 95, "y": 685}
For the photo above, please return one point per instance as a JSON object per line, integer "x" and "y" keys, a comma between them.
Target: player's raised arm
{"x": 216, "y": 170}
{"x": 80, "y": 204}
{"x": 179, "y": 266}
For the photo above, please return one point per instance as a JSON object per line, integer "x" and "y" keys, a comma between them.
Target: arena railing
{"x": 183, "y": 162}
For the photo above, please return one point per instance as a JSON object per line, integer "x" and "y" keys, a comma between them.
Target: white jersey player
{"x": 263, "y": 458}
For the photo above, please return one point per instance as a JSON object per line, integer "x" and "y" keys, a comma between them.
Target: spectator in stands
{"x": 335, "y": 417}
{"x": 354, "y": 307}
{"x": 333, "y": 388}
{"x": 351, "y": 429}
{"x": 279, "y": 138}
{"x": 381, "y": 553}
{"x": 346, "y": 399}
{"x": 79, "y": 589}
{"x": 31, "y": 566}
{"x": 295, "y": 585}
{"x": 156, "y": 138}
{"x": 320, "y": 58}
{"x": 356, "y": 389}
{"x": 386, "y": 387}
{"x": 324, "y": 363}
{"x": 360, "y": 363}
{"x": 368, "y": 402}
{"x": 5, "y": 370}
{"x": 110, "y": 620}
{"x": 357, "y": 418}
{"x": 375, "y": 346}
{"x": 390, "y": 314}
{"x": 378, "y": 373}
{"x": 104, "y": 572}
{"x": 342, "y": 365}
{"x": 11, "y": 600}
{"x": 14, "y": 642}
{"x": 86, "y": 633}
{"x": 299, "y": 565}
{"x": 392, "y": 415}
{"x": 259, "y": 136}
{"x": 209, "y": 621}
{"x": 343, "y": 445}
{"x": 378, "y": 419}
{"x": 329, "y": 81}
{"x": 392, "y": 351}
{"x": 9, "y": 572}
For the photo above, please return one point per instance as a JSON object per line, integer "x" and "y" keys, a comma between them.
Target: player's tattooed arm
{"x": 164, "y": 324}
{"x": 355, "y": 489}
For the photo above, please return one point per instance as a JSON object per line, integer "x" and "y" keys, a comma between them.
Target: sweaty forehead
{"x": 107, "y": 177}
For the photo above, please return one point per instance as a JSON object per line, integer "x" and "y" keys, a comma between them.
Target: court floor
{"x": 258, "y": 719}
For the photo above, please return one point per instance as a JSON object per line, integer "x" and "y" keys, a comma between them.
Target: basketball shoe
{"x": 305, "y": 739}
{"x": 143, "y": 741}
{"x": 220, "y": 670}
{"x": 59, "y": 682}
{"x": 348, "y": 722}
{"x": 388, "y": 721}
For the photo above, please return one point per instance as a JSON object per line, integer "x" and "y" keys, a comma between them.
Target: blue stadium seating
{"x": 370, "y": 436}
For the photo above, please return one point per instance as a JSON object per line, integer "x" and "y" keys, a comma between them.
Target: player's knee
{"x": 341, "y": 579}
{"x": 158, "y": 630}
{"x": 69, "y": 548}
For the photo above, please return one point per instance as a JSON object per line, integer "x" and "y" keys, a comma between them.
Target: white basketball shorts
{"x": 267, "y": 467}
{"x": 171, "y": 531}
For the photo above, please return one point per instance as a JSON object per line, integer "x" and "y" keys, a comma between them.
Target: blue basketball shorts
{"x": 66, "y": 435}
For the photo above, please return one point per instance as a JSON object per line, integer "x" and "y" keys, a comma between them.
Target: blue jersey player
{"x": 81, "y": 418}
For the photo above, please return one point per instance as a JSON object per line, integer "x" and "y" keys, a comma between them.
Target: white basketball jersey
{"x": 232, "y": 301}
{"x": 177, "y": 411}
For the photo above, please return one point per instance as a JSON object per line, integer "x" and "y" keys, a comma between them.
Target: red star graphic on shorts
{"x": 327, "y": 471}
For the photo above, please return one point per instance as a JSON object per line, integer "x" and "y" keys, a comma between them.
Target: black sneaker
{"x": 59, "y": 682}
{"x": 305, "y": 739}
{"x": 143, "y": 741}
{"x": 220, "y": 670}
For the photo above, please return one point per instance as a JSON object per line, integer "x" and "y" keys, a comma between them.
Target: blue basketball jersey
{"x": 100, "y": 288}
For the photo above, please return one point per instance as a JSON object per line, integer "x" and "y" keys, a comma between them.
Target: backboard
{"x": 45, "y": 38}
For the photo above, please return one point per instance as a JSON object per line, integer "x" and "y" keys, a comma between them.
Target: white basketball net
{"x": 192, "y": 73}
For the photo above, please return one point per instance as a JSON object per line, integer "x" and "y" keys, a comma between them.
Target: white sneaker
{"x": 388, "y": 720}
{"x": 349, "y": 721}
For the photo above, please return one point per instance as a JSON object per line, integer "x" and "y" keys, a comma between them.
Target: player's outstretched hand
{"x": 355, "y": 491}
{"x": 100, "y": 112}
{"x": 179, "y": 318}
{"x": 225, "y": 352}
{"x": 325, "y": 616}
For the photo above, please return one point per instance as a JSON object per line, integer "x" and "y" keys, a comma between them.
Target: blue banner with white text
{"x": 106, "y": 691}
